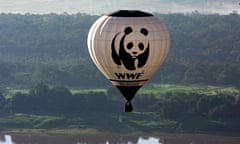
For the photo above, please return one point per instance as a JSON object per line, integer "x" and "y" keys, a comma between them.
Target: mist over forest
{"x": 106, "y": 6}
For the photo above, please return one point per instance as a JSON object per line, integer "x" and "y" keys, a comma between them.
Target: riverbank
{"x": 140, "y": 124}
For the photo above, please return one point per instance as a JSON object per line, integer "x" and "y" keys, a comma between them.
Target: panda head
{"x": 135, "y": 43}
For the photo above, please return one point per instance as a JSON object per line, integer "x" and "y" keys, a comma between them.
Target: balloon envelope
{"x": 128, "y": 47}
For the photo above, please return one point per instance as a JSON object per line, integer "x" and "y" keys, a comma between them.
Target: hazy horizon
{"x": 97, "y": 7}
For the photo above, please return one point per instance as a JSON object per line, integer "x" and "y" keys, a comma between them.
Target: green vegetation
{"x": 48, "y": 82}
{"x": 85, "y": 91}
{"x": 158, "y": 89}
{"x": 52, "y": 49}
{"x": 166, "y": 108}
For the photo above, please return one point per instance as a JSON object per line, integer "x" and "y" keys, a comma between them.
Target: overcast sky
{"x": 105, "y": 6}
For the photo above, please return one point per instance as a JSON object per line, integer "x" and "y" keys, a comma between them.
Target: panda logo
{"x": 132, "y": 54}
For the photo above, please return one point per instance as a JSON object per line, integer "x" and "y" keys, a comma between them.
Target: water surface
{"x": 117, "y": 139}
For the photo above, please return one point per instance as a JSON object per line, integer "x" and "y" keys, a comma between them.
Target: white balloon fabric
{"x": 128, "y": 47}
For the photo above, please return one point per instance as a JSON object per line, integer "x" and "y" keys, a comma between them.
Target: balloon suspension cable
{"x": 128, "y": 106}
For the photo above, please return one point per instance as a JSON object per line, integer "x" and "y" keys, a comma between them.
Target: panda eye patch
{"x": 141, "y": 46}
{"x": 130, "y": 45}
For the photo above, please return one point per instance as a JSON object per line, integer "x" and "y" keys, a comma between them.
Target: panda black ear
{"x": 128, "y": 30}
{"x": 144, "y": 31}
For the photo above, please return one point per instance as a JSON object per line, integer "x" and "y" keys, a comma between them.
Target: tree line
{"x": 52, "y": 49}
{"x": 43, "y": 99}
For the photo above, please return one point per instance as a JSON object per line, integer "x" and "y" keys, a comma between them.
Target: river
{"x": 117, "y": 139}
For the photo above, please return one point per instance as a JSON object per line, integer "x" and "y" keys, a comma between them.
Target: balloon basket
{"x": 128, "y": 107}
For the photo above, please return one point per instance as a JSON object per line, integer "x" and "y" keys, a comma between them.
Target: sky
{"x": 98, "y": 7}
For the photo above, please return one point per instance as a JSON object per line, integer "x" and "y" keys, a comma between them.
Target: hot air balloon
{"x": 128, "y": 47}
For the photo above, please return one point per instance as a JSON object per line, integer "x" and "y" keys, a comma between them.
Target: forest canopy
{"x": 52, "y": 49}
{"x": 45, "y": 57}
